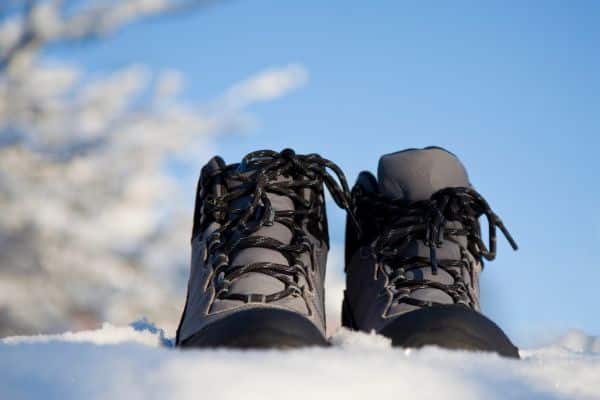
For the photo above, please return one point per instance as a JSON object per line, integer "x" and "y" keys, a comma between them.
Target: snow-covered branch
{"x": 92, "y": 226}
{"x": 40, "y": 22}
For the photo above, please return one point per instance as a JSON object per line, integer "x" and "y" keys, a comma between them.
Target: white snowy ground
{"x": 138, "y": 362}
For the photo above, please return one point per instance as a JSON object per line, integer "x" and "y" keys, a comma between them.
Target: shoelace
{"x": 257, "y": 172}
{"x": 427, "y": 221}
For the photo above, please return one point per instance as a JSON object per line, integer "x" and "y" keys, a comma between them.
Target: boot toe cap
{"x": 452, "y": 327}
{"x": 258, "y": 328}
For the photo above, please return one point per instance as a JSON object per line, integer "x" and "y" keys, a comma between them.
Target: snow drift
{"x": 138, "y": 362}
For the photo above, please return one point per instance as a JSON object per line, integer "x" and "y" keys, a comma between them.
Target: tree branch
{"x": 45, "y": 22}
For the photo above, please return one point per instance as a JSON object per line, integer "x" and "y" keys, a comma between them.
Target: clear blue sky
{"x": 511, "y": 87}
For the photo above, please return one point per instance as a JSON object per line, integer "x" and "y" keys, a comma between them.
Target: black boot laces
{"x": 258, "y": 172}
{"x": 427, "y": 221}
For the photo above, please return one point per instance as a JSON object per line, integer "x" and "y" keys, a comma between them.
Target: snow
{"x": 139, "y": 362}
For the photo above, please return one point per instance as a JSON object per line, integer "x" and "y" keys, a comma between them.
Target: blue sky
{"x": 511, "y": 87}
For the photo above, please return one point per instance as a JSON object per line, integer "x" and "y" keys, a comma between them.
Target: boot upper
{"x": 260, "y": 237}
{"x": 421, "y": 240}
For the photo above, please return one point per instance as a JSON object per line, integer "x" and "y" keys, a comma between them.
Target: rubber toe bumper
{"x": 258, "y": 329}
{"x": 452, "y": 327}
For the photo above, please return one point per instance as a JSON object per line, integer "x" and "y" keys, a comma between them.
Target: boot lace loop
{"x": 428, "y": 221}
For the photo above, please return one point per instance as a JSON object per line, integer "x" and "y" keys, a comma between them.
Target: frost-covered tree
{"x": 92, "y": 227}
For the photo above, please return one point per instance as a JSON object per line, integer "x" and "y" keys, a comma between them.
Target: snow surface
{"x": 138, "y": 362}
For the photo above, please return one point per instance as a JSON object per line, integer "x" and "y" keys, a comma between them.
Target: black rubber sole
{"x": 259, "y": 328}
{"x": 451, "y": 327}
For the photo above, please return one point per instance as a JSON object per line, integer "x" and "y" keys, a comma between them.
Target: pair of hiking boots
{"x": 414, "y": 253}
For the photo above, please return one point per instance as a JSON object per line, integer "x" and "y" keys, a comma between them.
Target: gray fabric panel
{"x": 248, "y": 283}
{"x": 416, "y": 174}
{"x": 257, "y": 282}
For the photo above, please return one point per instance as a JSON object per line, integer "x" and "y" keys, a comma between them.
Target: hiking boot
{"x": 413, "y": 273}
{"x": 259, "y": 249}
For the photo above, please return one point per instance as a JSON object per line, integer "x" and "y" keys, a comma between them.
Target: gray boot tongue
{"x": 416, "y": 174}
{"x": 254, "y": 282}
{"x": 259, "y": 283}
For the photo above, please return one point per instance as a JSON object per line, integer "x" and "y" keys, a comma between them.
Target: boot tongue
{"x": 415, "y": 174}
{"x": 255, "y": 282}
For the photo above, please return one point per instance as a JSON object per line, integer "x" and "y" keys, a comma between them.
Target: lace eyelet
{"x": 220, "y": 260}
{"x": 213, "y": 241}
